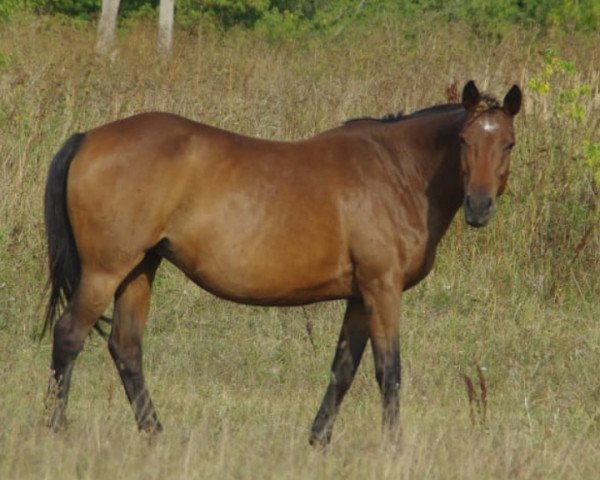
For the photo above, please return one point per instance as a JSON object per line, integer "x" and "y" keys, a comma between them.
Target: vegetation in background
{"x": 289, "y": 17}
{"x": 237, "y": 387}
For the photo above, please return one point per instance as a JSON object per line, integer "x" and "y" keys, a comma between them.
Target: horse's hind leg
{"x": 351, "y": 345}
{"x": 132, "y": 301}
{"x": 90, "y": 299}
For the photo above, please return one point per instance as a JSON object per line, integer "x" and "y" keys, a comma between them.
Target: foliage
{"x": 544, "y": 13}
{"x": 567, "y": 99}
{"x": 80, "y": 9}
{"x": 9, "y": 7}
{"x": 591, "y": 153}
{"x": 489, "y": 17}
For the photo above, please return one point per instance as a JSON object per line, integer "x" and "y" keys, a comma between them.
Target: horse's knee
{"x": 67, "y": 341}
{"x": 127, "y": 356}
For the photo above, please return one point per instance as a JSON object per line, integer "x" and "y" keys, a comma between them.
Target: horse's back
{"x": 248, "y": 219}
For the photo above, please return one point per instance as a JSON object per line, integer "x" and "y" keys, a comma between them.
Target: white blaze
{"x": 489, "y": 126}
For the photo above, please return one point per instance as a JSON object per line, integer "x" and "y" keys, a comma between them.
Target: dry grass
{"x": 237, "y": 387}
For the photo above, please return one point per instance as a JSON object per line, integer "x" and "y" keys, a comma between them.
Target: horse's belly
{"x": 287, "y": 283}
{"x": 284, "y": 269}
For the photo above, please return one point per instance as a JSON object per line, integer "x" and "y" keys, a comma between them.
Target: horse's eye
{"x": 509, "y": 147}
{"x": 463, "y": 142}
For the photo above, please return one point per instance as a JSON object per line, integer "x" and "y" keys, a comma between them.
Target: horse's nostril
{"x": 479, "y": 203}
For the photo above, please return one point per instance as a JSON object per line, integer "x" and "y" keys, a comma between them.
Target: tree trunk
{"x": 165, "y": 27}
{"x": 107, "y": 26}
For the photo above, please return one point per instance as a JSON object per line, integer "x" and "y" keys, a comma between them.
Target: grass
{"x": 237, "y": 387}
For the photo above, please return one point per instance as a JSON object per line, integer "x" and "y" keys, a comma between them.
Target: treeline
{"x": 289, "y": 16}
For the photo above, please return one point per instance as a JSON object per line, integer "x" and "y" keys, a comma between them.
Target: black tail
{"x": 65, "y": 268}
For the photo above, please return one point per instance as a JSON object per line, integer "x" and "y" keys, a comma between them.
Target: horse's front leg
{"x": 351, "y": 345}
{"x": 382, "y": 297}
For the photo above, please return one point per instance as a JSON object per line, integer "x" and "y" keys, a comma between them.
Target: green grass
{"x": 237, "y": 387}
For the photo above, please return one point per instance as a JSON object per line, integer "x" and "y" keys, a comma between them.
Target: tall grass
{"x": 237, "y": 387}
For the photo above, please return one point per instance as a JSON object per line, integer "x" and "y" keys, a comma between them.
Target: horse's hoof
{"x": 320, "y": 440}
{"x": 57, "y": 422}
{"x": 151, "y": 427}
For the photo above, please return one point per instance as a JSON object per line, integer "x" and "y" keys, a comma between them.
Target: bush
{"x": 484, "y": 16}
{"x": 10, "y": 7}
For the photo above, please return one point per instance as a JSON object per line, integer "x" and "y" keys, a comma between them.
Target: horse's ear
{"x": 512, "y": 101}
{"x": 470, "y": 95}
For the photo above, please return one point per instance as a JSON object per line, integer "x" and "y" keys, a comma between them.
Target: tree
{"x": 107, "y": 26}
{"x": 165, "y": 27}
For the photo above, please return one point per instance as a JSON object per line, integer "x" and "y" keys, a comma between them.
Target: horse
{"x": 353, "y": 213}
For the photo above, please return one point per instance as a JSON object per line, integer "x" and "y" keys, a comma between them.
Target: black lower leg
{"x": 388, "y": 373}
{"x": 130, "y": 371}
{"x": 64, "y": 353}
{"x": 57, "y": 396}
{"x": 351, "y": 344}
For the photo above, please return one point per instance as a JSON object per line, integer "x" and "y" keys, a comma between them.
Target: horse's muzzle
{"x": 479, "y": 209}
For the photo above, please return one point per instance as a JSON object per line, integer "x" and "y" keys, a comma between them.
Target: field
{"x": 237, "y": 387}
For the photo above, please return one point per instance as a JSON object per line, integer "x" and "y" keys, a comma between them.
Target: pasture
{"x": 237, "y": 387}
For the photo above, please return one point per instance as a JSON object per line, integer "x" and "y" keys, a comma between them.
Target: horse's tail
{"x": 63, "y": 259}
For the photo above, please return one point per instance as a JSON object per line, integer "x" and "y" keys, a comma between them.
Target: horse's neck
{"x": 437, "y": 159}
{"x": 445, "y": 193}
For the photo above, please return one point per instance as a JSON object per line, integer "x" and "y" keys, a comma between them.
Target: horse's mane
{"x": 487, "y": 102}
{"x": 398, "y": 117}
{"x": 388, "y": 118}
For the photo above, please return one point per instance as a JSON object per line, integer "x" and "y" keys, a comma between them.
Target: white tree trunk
{"x": 165, "y": 27}
{"x": 107, "y": 26}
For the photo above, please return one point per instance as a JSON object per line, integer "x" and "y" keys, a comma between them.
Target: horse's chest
{"x": 415, "y": 251}
{"x": 423, "y": 266}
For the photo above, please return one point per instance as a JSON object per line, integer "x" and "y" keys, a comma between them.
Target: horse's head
{"x": 486, "y": 139}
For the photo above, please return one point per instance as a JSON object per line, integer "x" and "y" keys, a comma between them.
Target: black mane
{"x": 393, "y": 118}
{"x": 388, "y": 118}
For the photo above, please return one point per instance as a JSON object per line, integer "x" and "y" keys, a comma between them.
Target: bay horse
{"x": 354, "y": 213}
